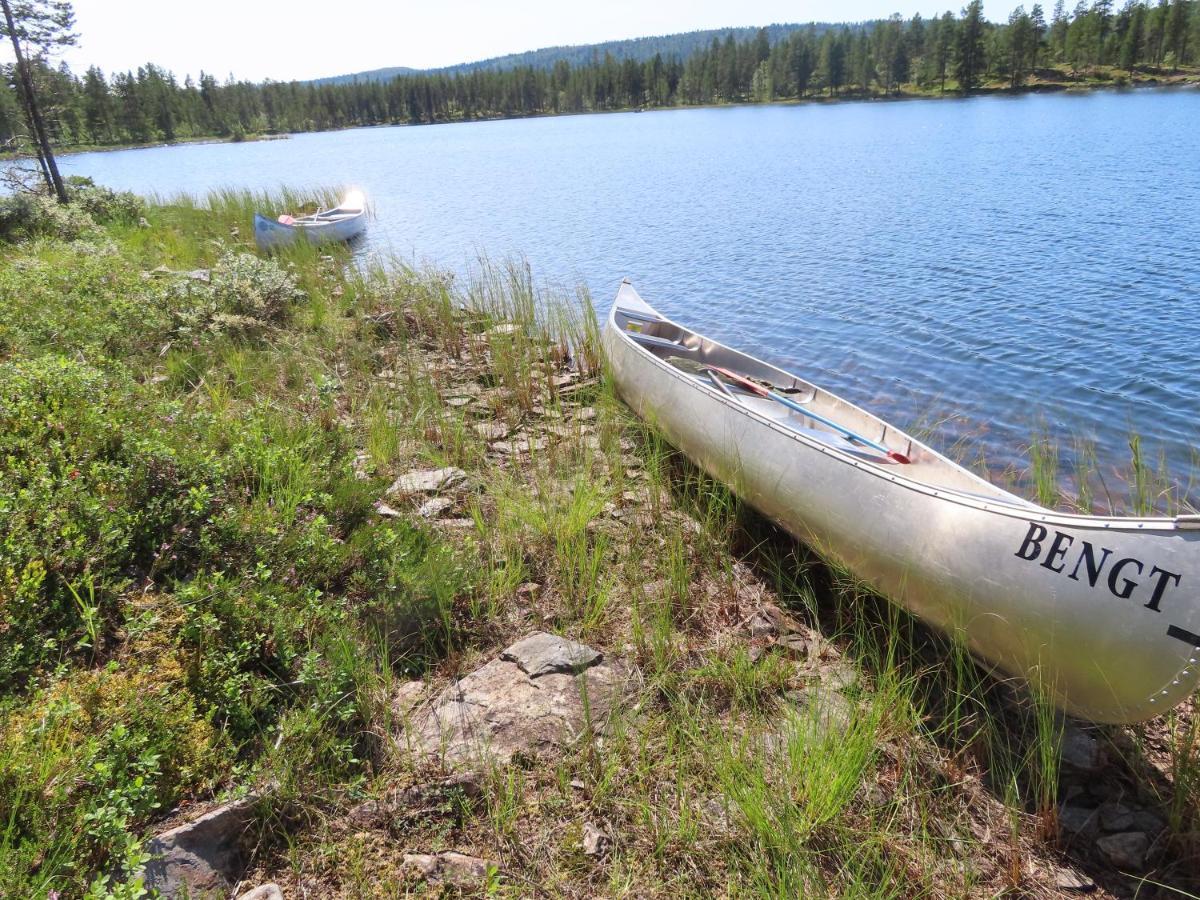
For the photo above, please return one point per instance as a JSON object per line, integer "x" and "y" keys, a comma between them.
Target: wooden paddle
{"x": 757, "y": 389}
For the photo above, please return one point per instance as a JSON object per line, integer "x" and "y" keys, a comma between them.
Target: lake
{"x": 993, "y": 266}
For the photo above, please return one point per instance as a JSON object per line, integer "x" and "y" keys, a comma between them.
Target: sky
{"x": 301, "y": 39}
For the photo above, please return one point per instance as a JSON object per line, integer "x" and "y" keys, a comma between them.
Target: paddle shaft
{"x": 761, "y": 391}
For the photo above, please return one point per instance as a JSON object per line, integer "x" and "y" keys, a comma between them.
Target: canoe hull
{"x": 272, "y": 235}
{"x": 1078, "y": 604}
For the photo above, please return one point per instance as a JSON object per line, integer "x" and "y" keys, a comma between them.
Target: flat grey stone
{"x": 492, "y": 431}
{"x": 501, "y": 709}
{"x": 434, "y": 506}
{"x": 595, "y": 840}
{"x": 1072, "y": 882}
{"x": 544, "y": 654}
{"x": 202, "y": 856}
{"x": 424, "y": 481}
{"x": 451, "y": 868}
{"x": 418, "y": 800}
{"x": 1126, "y": 851}
{"x": 269, "y": 891}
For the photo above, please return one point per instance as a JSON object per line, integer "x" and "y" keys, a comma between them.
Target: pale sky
{"x": 301, "y": 39}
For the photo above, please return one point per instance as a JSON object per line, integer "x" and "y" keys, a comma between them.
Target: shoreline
{"x": 1066, "y": 85}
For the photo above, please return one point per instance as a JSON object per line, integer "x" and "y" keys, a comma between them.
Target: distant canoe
{"x": 343, "y": 223}
{"x": 1103, "y": 611}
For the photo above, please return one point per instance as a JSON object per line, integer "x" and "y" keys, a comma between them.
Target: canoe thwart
{"x": 634, "y": 316}
{"x": 651, "y": 341}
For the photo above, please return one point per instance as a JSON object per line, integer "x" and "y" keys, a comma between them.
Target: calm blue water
{"x": 994, "y": 262}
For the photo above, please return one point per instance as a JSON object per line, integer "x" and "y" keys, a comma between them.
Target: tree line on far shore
{"x": 879, "y": 58}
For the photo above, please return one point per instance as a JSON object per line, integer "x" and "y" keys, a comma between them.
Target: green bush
{"x": 26, "y": 216}
{"x": 103, "y": 204}
{"x": 243, "y": 295}
{"x": 69, "y": 298}
{"x": 86, "y": 763}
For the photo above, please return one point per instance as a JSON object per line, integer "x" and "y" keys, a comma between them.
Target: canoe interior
{"x": 691, "y": 353}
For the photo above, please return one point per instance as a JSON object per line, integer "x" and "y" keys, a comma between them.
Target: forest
{"x": 889, "y": 57}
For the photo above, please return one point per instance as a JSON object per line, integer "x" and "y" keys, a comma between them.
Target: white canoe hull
{"x": 1101, "y": 612}
{"x": 272, "y": 235}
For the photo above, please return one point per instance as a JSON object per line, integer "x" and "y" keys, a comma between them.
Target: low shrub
{"x": 25, "y": 216}
{"x": 104, "y": 205}
{"x": 243, "y": 296}
{"x": 100, "y": 483}
{"x": 87, "y": 762}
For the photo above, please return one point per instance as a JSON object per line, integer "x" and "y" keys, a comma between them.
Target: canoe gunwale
{"x": 1017, "y": 508}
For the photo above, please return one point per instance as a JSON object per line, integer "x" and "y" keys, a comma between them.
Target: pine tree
{"x": 969, "y": 61}
{"x": 40, "y": 26}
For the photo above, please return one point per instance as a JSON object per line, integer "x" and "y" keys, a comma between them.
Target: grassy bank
{"x": 200, "y": 597}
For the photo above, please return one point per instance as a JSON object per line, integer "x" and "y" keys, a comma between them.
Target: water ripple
{"x": 1006, "y": 262}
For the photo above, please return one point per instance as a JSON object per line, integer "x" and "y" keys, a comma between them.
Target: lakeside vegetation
{"x": 200, "y": 597}
{"x": 1091, "y": 45}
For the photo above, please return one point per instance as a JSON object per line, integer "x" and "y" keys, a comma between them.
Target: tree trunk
{"x": 49, "y": 166}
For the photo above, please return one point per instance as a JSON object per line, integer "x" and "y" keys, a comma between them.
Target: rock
{"x": 1081, "y": 751}
{"x": 491, "y": 431}
{"x": 1079, "y": 821}
{"x": 595, "y": 841}
{"x": 1072, "y": 882}
{"x": 1125, "y": 851}
{"x": 1149, "y": 822}
{"x": 427, "y": 799}
{"x": 451, "y": 868}
{"x": 529, "y": 700}
{"x": 796, "y": 644}
{"x": 269, "y": 891}
{"x": 715, "y": 813}
{"x": 768, "y": 621}
{"x": 830, "y": 710}
{"x": 522, "y": 444}
{"x": 406, "y": 697}
{"x": 434, "y": 507}
{"x": 504, "y": 328}
{"x": 544, "y": 654}
{"x": 426, "y": 481}
{"x": 839, "y": 676}
{"x": 457, "y": 402}
{"x": 571, "y": 389}
{"x": 1116, "y": 817}
{"x": 201, "y": 856}
{"x": 386, "y": 511}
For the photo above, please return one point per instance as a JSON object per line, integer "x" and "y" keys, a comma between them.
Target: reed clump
{"x": 213, "y": 581}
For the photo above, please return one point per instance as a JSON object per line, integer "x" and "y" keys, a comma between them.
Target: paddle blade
{"x": 898, "y": 457}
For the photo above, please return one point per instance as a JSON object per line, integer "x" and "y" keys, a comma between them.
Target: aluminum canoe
{"x": 343, "y": 223}
{"x": 1101, "y": 612}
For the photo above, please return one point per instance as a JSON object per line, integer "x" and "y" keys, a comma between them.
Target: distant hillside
{"x": 638, "y": 49}
{"x": 374, "y": 75}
